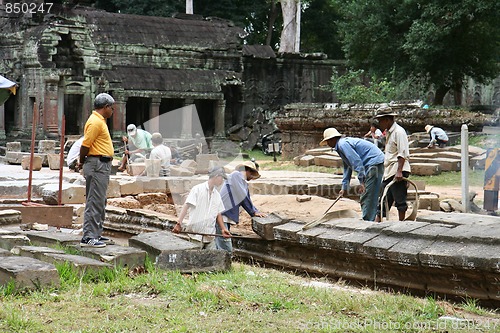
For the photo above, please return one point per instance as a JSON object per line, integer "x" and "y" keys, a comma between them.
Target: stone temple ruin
{"x": 151, "y": 66}
{"x": 156, "y": 65}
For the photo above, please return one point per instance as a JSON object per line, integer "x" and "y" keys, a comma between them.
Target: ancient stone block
{"x": 9, "y": 215}
{"x": 80, "y": 263}
{"x": 37, "y": 163}
{"x": 51, "y": 238}
{"x": 47, "y": 146}
{"x": 54, "y": 161}
{"x": 13, "y": 146}
{"x": 176, "y": 170}
{"x": 136, "y": 169}
{"x": 174, "y": 253}
{"x": 288, "y": 231}
{"x": 71, "y": 194}
{"x": 113, "y": 189}
{"x": 448, "y": 164}
{"x": 153, "y": 185}
{"x": 130, "y": 186}
{"x": 203, "y": 162}
{"x": 57, "y": 216}
{"x": 28, "y": 272}
{"x": 328, "y": 161}
{"x": 306, "y": 161}
{"x": 264, "y": 226}
{"x": 8, "y": 242}
{"x": 425, "y": 169}
{"x": 195, "y": 261}
{"x": 116, "y": 255}
{"x": 190, "y": 165}
{"x": 429, "y": 202}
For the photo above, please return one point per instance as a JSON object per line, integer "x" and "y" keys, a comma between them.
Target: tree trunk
{"x": 273, "y": 15}
{"x": 440, "y": 93}
{"x": 457, "y": 92}
{"x": 289, "y": 34}
{"x": 189, "y": 7}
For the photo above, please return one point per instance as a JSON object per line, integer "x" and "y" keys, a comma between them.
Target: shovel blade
{"x": 339, "y": 214}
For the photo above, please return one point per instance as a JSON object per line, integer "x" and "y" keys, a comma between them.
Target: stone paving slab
{"x": 441, "y": 254}
{"x": 35, "y": 252}
{"x": 155, "y": 243}
{"x": 460, "y": 218}
{"x": 28, "y": 272}
{"x": 173, "y": 253}
{"x": 9, "y": 216}
{"x": 489, "y": 234}
{"x": 430, "y": 231}
{"x": 81, "y": 263}
{"x": 48, "y": 238}
{"x": 115, "y": 255}
{"x": 264, "y": 226}
{"x": 406, "y": 251}
{"x": 5, "y": 253}
{"x": 378, "y": 247}
{"x": 8, "y": 242}
{"x": 288, "y": 231}
{"x": 195, "y": 261}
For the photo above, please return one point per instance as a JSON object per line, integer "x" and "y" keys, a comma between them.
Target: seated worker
{"x": 140, "y": 139}
{"x": 161, "y": 152}
{"x": 437, "y": 136}
{"x": 375, "y": 135}
{"x": 74, "y": 154}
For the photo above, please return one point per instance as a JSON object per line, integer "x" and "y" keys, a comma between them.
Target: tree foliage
{"x": 440, "y": 42}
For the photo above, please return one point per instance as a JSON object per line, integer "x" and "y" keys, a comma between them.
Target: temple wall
{"x": 302, "y": 125}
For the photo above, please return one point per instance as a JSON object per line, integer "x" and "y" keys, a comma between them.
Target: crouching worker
{"x": 204, "y": 205}
{"x": 235, "y": 194}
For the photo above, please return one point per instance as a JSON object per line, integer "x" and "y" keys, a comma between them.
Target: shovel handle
{"x": 338, "y": 198}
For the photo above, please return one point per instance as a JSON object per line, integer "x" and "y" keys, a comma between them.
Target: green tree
{"x": 439, "y": 42}
{"x": 319, "y": 31}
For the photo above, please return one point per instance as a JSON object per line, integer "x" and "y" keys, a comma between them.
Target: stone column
{"x": 50, "y": 106}
{"x": 2, "y": 122}
{"x": 220, "y": 111}
{"x": 187, "y": 119}
{"x": 119, "y": 118}
{"x": 154, "y": 115}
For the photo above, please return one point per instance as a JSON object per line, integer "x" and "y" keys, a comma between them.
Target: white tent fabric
{"x": 7, "y": 84}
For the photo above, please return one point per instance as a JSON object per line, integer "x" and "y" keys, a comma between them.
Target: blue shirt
{"x": 359, "y": 155}
{"x": 235, "y": 193}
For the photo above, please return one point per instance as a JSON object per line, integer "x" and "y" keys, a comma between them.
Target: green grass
{"x": 244, "y": 299}
{"x": 452, "y": 178}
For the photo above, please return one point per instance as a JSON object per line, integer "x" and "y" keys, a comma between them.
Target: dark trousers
{"x": 396, "y": 194}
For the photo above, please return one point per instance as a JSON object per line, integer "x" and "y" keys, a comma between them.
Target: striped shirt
{"x": 204, "y": 206}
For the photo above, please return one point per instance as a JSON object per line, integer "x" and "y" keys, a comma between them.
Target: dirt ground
{"x": 288, "y": 205}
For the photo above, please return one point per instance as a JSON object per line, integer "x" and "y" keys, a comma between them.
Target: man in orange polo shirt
{"x": 96, "y": 155}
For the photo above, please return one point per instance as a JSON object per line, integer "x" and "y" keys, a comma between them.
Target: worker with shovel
{"x": 204, "y": 205}
{"x": 367, "y": 160}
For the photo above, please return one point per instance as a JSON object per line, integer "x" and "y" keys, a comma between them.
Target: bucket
{"x": 153, "y": 167}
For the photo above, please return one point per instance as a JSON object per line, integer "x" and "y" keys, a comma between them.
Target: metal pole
{"x": 32, "y": 152}
{"x": 465, "y": 167}
{"x": 61, "y": 160}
